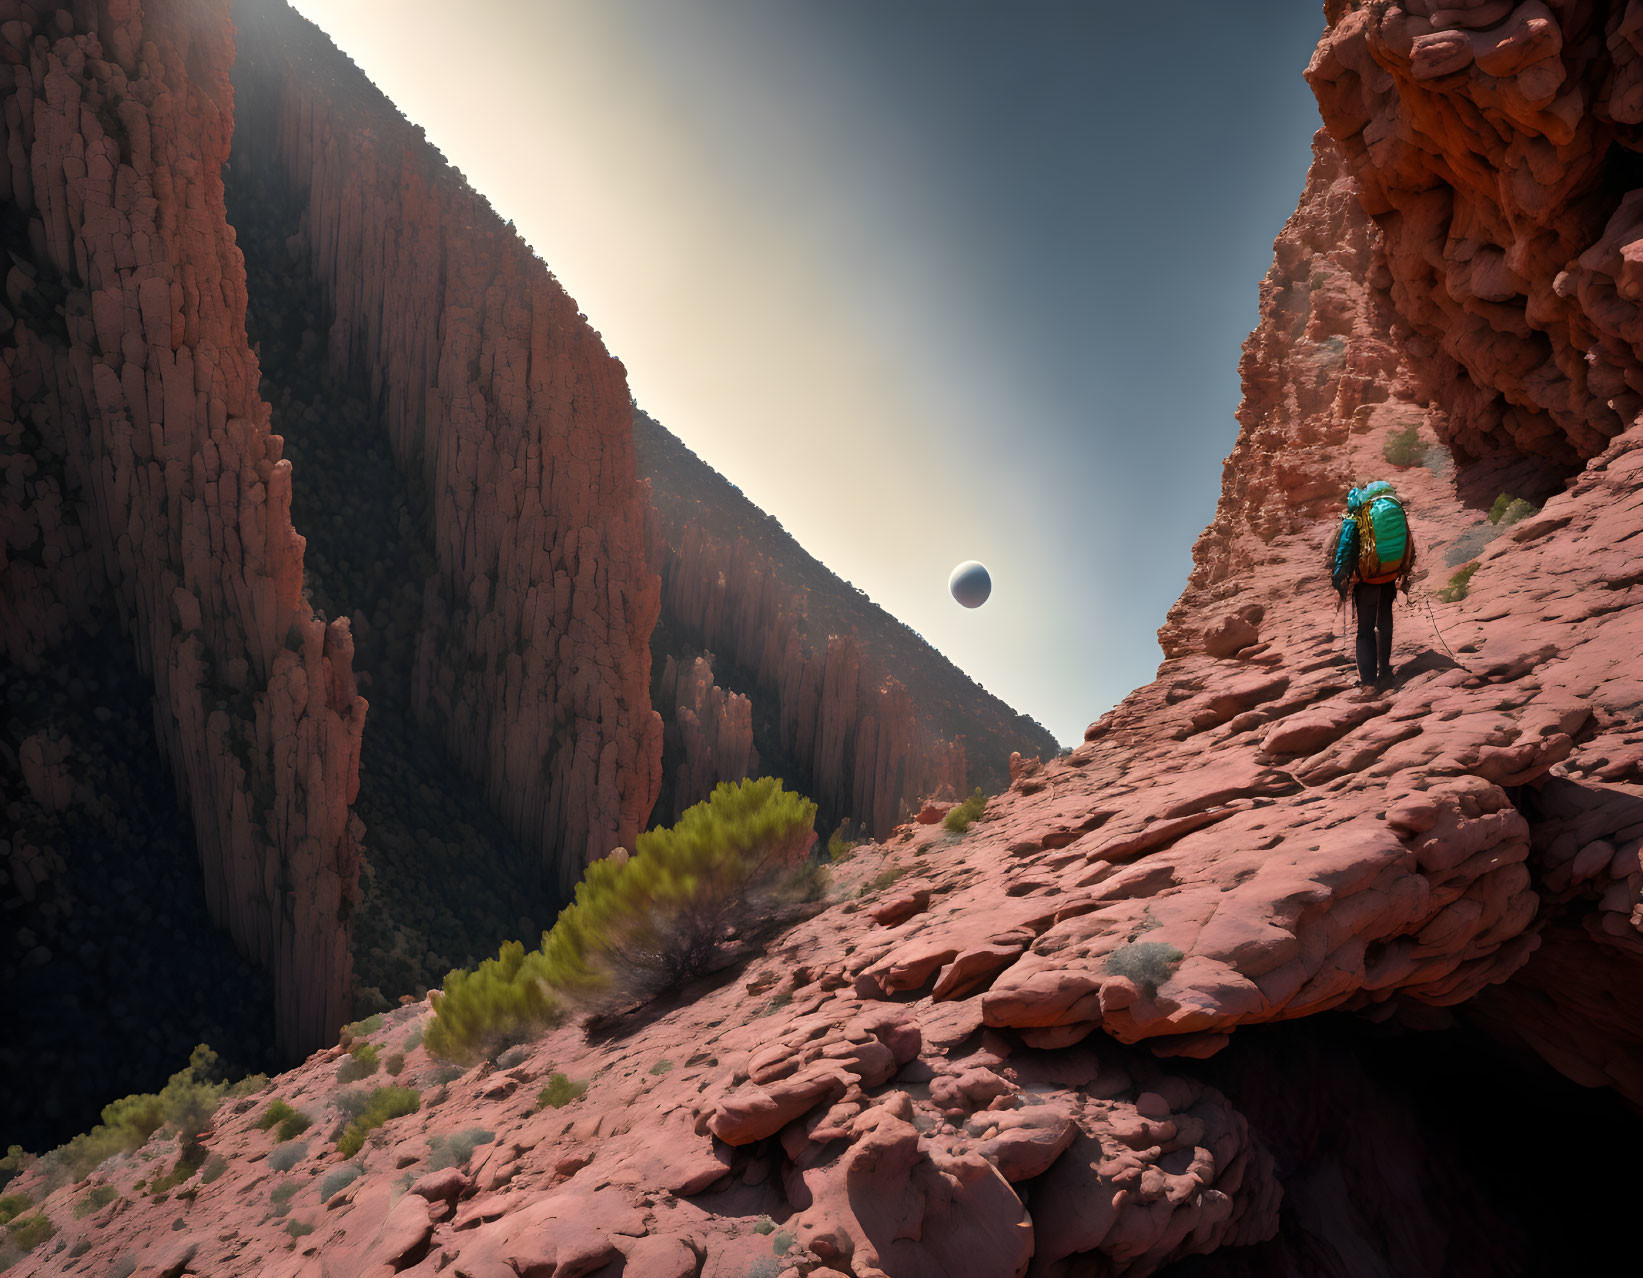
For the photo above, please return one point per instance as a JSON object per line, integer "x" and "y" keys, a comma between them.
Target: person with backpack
{"x": 1373, "y": 553}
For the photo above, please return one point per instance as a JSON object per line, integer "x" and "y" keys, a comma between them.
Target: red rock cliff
{"x": 140, "y": 468}
{"x": 503, "y": 403}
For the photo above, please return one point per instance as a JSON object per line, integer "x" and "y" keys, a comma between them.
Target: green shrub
{"x": 455, "y": 1151}
{"x": 764, "y": 1225}
{"x": 503, "y": 1001}
{"x": 413, "y": 1040}
{"x": 781, "y": 1243}
{"x": 1404, "y": 447}
{"x": 280, "y": 1200}
{"x": 359, "y": 1029}
{"x": 1147, "y": 963}
{"x": 292, "y": 1123}
{"x": 960, "y": 817}
{"x": 662, "y": 1066}
{"x": 187, "y": 1103}
{"x": 887, "y": 877}
{"x": 559, "y": 1092}
{"x": 286, "y": 1157}
{"x": 298, "y": 1228}
{"x": 95, "y": 1200}
{"x": 385, "y": 1104}
{"x": 339, "y": 1180}
{"x": 28, "y": 1232}
{"x": 641, "y": 925}
{"x": 14, "y": 1205}
{"x": 362, "y": 1063}
{"x": 247, "y": 1086}
{"x": 215, "y": 1166}
{"x": 395, "y": 1065}
{"x": 1458, "y": 585}
{"x": 1508, "y": 510}
{"x": 17, "y": 1160}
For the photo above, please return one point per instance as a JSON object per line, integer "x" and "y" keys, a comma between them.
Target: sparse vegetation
{"x": 215, "y": 1166}
{"x": 188, "y": 1162}
{"x": 28, "y": 1232}
{"x": 280, "y": 1199}
{"x": 286, "y": 1157}
{"x": 781, "y": 1243}
{"x": 1458, "y": 585}
{"x": 298, "y": 1228}
{"x": 455, "y": 1151}
{"x": 764, "y": 1225}
{"x": 95, "y": 1200}
{"x": 1508, "y": 510}
{"x": 186, "y": 1103}
{"x": 413, "y": 1040}
{"x": 13, "y": 1206}
{"x": 291, "y": 1122}
{"x": 1147, "y": 963}
{"x": 384, "y": 1105}
{"x": 961, "y": 816}
{"x": 559, "y": 1092}
{"x": 352, "y": 1033}
{"x": 395, "y": 1065}
{"x": 662, "y": 1066}
{"x": 339, "y": 1180}
{"x": 361, "y": 1063}
{"x": 887, "y": 877}
{"x": 642, "y": 924}
{"x": 1404, "y": 447}
{"x": 17, "y": 1160}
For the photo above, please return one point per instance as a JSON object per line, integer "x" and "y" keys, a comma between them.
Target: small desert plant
{"x": 385, "y": 1104}
{"x": 1458, "y": 585}
{"x": 395, "y": 1065}
{"x": 359, "y": 1029}
{"x": 662, "y": 1066}
{"x": 28, "y": 1232}
{"x": 95, "y": 1200}
{"x": 298, "y": 1228}
{"x": 413, "y": 1040}
{"x": 1404, "y": 447}
{"x": 188, "y": 1162}
{"x": 960, "y": 817}
{"x": 361, "y": 1063}
{"x": 215, "y": 1166}
{"x": 339, "y": 1180}
{"x": 887, "y": 877}
{"x": 1508, "y": 510}
{"x": 291, "y": 1122}
{"x": 559, "y": 1092}
{"x": 1147, "y": 963}
{"x": 14, "y": 1205}
{"x": 280, "y": 1200}
{"x": 764, "y": 1225}
{"x": 781, "y": 1243}
{"x": 455, "y": 1151}
{"x": 286, "y": 1157}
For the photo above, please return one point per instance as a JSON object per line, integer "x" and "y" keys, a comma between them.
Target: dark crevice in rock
{"x": 112, "y": 969}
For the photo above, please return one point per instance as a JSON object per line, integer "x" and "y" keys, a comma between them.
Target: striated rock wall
{"x": 709, "y": 730}
{"x": 142, "y": 476}
{"x": 502, "y": 402}
{"x": 867, "y": 744}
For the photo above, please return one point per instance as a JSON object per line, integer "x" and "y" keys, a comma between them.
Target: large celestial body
{"x": 970, "y": 584}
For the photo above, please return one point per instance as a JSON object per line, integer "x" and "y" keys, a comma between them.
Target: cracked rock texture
{"x": 1094, "y": 1033}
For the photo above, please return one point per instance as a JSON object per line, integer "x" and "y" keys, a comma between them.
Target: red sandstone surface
{"x": 141, "y": 471}
{"x": 1000, "y": 1060}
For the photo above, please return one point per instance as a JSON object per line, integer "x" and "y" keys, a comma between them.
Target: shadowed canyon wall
{"x": 502, "y": 404}
{"x": 814, "y": 656}
{"x": 143, "y": 480}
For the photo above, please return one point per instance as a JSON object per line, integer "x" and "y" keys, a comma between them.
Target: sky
{"x": 929, "y": 280}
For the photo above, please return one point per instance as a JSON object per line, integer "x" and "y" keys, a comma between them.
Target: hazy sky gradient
{"x": 930, "y": 280}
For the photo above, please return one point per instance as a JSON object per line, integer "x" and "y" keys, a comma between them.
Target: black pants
{"x": 1374, "y": 605}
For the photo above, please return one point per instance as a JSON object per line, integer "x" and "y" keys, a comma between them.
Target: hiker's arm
{"x": 1409, "y": 564}
{"x": 1344, "y": 560}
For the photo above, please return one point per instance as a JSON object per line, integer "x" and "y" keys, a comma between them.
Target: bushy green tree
{"x": 961, "y": 815}
{"x": 639, "y": 924}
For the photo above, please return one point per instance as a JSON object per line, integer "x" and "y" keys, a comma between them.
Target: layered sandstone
{"x": 709, "y": 730}
{"x": 869, "y": 718}
{"x": 502, "y": 403}
{"x": 143, "y": 478}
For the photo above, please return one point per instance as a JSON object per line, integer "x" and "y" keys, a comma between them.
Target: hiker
{"x": 1373, "y": 552}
